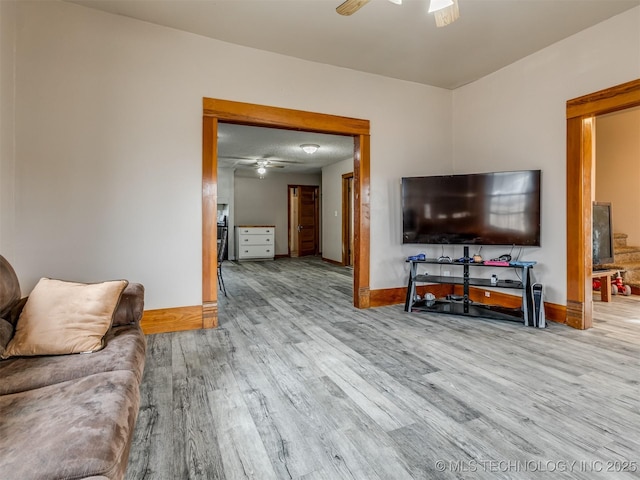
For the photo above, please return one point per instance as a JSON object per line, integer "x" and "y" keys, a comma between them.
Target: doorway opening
{"x": 347, "y": 219}
{"x": 304, "y": 220}
{"x": 217, "y": 110}
{"x": 581, "y": 113}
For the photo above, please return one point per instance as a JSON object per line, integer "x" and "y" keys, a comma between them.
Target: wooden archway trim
{"x": 216, "y": 110}
{"x": 347, "y": 220}
{"x": 276, "y": 117}
{"x": 581, "y": 113}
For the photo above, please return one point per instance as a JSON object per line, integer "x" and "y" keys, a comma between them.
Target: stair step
{"x": 627, "y": 259}
{"x": 627, "y": 254}
{"x": 631, "y": 273}
{"x": 620, "y": 240}
{"x": 626, "y": 249}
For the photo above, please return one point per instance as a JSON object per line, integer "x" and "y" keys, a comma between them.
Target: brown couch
{"x": 70, "y": 416}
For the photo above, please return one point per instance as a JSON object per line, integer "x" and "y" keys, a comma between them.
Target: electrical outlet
{"x": 446, "y": 273}
{"x": 487, "y": 294}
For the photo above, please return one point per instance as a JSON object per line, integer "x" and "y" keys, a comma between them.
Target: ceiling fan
{"x": 444, "y": 11}
{"x": 265, "y": 161}
{"x": 261, "y": 164}
{"x": 266, "y": 164}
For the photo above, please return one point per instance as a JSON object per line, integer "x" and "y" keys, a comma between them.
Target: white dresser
{"x": 255, "y": 242}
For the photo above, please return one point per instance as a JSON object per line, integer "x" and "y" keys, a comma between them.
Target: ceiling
{"x": 397, "y": 41}
{"x": 241, "y": 146}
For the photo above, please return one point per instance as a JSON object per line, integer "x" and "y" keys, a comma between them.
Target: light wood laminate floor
{"x": 298, "y": 384}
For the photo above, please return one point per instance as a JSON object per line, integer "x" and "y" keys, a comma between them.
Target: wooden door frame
{"x": 581, "y": 113}
{"x": 346, "y": 240}
{"x": 316, "y": 215}
{"x": 217, "y": 110}
{"x": 289, "y": 225}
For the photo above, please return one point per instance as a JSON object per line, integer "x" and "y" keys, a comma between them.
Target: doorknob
{"x": 299, "y": 227}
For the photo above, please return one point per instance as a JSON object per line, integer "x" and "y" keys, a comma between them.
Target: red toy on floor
{"x": 617, "y": 285}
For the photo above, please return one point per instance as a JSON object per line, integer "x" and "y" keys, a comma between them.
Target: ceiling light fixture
{"x": 436, "y": 5}
{"x": 310, "y": 148}
{"x": 444, "y": 11}
{"x": 262, "y": 170}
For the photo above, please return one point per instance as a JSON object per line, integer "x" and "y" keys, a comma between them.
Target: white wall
{"x": 264, "y": 201}
{"x": 7, "y": 125}
{"x": 516, "y": 119}
{"x": 108, "y": 139}
{"x": 618, "y": 170}
{"x": 332, "y": 208}
{"x": 109, "y": 147}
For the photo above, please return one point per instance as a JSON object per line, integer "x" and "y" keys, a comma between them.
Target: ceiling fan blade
{"x": 447, "y": 15}
{"x": 231, "y": 157}
{"x": 266, "y": 164}
{"x": 351, "y": 6}
{"x": 277, "y": 160}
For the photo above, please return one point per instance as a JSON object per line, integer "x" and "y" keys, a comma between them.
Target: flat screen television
{"x": 499, "y": 208}
{"x": 602, "y": 233}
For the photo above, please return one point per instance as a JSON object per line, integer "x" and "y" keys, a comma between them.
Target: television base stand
{"x": 470, "y": 309}
{"x": 456, "y": 305}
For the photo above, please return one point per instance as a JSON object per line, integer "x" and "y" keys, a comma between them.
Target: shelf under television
{"x": 476, "y": 282}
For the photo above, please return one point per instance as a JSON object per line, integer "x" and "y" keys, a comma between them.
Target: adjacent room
{"x": 616, "y": 183}
{"x": 314, "y": 240}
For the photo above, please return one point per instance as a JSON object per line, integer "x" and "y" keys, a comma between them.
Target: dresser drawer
{"x": 255, "y": 243}
{"x": 255, "y": 239}
{"x": 256, "y": 230}
{"x": 255, "y": 251}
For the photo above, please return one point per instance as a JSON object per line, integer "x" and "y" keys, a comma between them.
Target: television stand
{"x": 465, "y": 306}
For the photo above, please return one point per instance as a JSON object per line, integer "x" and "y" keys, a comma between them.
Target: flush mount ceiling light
{"x": 310, "y": 148}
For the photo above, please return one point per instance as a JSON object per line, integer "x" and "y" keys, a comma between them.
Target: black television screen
{"x": 500, "y": 208}
{"x": 602, "y": 233}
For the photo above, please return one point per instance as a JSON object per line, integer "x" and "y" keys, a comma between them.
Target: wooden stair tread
{"x": 626, "y": 249}
{"x": 627, "y": 259}
{"x": 631, "y": 268}
{"x": 622, "y": 266}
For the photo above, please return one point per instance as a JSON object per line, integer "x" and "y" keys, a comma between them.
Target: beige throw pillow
{"x": 65, "y": 317}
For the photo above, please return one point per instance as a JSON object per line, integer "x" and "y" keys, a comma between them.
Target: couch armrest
{"x": 131, "y": 305}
